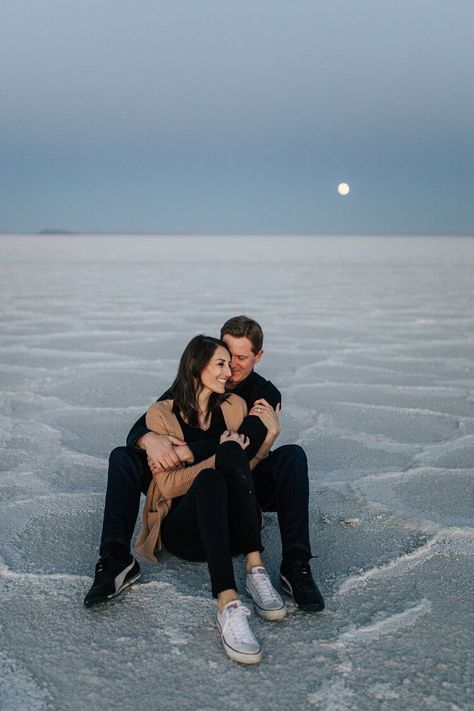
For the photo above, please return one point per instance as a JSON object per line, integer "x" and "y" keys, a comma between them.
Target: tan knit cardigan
{"x": 167, "y": 485}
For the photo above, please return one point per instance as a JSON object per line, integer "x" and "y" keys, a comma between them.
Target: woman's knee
{"x": 209, "y": 479}
{"x": 234, "y": 465}
{"x": 230, "y": 456}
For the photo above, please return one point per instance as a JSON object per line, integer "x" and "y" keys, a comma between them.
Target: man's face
{"x": 243, "y": 359}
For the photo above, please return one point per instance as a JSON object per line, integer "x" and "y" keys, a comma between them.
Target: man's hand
{"x": 270, "y": 417}
{"x": 241, "y": 439}
{"x": 161, "y": 450}
{"x": 182, "y": 451}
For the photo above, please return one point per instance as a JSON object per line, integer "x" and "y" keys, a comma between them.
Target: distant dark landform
{"x": 56, "y": 232}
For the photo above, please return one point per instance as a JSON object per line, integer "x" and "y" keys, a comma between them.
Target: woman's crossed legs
{"x": 216, "y": 519}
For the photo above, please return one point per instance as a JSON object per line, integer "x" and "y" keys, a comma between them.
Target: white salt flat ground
{"x": 371, "y": 342}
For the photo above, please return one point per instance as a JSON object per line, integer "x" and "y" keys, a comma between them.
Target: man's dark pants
{"x": 280, "y": 480}
{"x": 281, "y": 485}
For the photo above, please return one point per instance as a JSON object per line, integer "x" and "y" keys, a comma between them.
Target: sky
{"x": 216, "y": 117}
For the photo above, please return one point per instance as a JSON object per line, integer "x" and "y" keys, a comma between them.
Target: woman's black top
{"x": 216, "y": 427}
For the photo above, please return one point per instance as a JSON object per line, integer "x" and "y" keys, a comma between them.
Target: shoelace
{"x": 99, "y": 568}
{"x": 236, "y": 619}
{"x": 264, "y": 586}
{"x": 303, "y": 570}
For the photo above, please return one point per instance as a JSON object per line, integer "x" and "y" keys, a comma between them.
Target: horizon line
{"x": 68, "y": 233}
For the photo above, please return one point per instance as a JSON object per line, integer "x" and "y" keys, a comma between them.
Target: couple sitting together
{"x": 202, "y": 455}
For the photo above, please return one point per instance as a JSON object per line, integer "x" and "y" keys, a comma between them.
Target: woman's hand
{"x": 184, "y": 453}
{"x": 270, "y": 417}
{"x": 228, "y": 436}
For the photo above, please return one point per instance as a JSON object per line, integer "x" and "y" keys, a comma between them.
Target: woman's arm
{"x": 177, "y": 480}
{"x": 160, "y": 418}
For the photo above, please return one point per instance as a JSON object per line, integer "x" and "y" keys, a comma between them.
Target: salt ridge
{"x": 387, "y": 625}
{"x": 444, "y": 540}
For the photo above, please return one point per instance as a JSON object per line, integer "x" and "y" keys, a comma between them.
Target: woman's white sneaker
{"x": 238, "y": 639}
{"x": 268, "y": 603}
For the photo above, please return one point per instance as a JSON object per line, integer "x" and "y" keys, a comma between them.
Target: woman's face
{"x": 217, "y": 372}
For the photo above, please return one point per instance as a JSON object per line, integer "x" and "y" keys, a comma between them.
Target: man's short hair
{"x": 244, "y": 327}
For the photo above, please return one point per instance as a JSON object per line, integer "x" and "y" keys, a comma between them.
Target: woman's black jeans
{"x": 217, "y": 518}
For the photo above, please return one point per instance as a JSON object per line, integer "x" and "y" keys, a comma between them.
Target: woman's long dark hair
{"x": 188, "y": 384}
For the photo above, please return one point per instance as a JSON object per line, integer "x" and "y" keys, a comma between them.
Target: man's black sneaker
{"x": 297, "y": 580}
{"x": 111, "y": 577}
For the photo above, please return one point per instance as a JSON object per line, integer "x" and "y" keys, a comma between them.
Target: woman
{"x": 208, "y": 511}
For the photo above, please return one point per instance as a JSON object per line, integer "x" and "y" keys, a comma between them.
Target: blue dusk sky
{"x": 214, "y": 117}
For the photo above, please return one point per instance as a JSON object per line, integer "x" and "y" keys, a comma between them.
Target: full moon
{"x": 343, "y": 188}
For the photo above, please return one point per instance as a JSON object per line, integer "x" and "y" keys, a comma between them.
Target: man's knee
{"x": 124, "y": 463}
{"x": 290, "y": 467}
{"x": 119, "y": 457}
{"x": 294, "y": 454}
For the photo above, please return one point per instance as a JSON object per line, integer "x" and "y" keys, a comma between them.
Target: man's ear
{"x": 258, "y": 356}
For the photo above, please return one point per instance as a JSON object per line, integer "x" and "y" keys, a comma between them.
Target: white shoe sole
{"x": 277, "y": 614}
{"x": 285, "y": 584}
{"x": 236, "y": 656}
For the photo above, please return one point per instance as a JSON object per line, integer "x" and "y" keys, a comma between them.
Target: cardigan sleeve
{"x": 172, "y": 482}
{"x": 176, "y": 482}
{"x": 159, "y": 418}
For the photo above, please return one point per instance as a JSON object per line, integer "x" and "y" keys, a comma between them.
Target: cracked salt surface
{"x": 370, "y": 341}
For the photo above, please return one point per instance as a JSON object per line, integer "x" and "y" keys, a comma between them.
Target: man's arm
{"x": 255, "y": 428}
{"x": 161, "y": 450}
{"x": 138, "y": 430}
{"x": 252, "y": 426}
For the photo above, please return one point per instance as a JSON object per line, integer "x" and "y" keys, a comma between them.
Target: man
{"x": 280, "y": 480}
